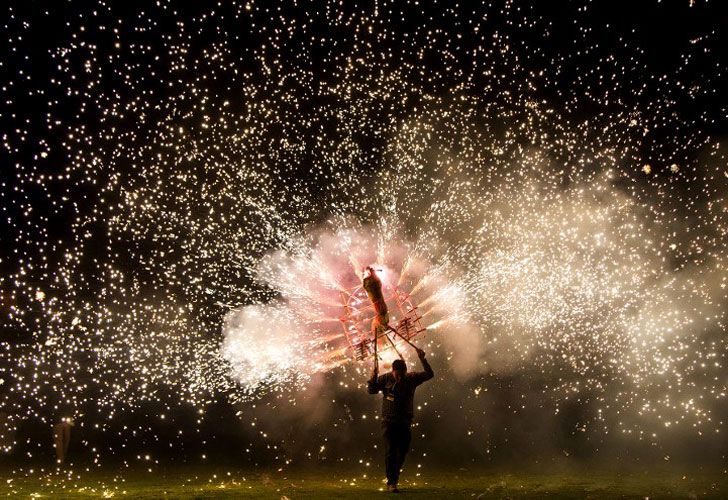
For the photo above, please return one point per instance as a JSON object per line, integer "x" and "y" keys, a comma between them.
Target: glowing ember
{"x": 184, "y": 208}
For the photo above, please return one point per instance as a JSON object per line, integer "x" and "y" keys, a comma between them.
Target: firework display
{"x": 190, "y": 194}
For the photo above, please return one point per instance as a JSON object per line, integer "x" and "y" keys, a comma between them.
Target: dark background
{"x": 41, "y": 103}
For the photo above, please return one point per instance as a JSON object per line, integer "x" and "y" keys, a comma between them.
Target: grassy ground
{"x": 330, "y": 483}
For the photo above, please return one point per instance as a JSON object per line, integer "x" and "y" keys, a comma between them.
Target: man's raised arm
{"x": 426, "y": 373}
{"x": 374, "y": 384}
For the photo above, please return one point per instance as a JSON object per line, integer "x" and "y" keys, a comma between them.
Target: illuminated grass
{"x": 330, "y": 483}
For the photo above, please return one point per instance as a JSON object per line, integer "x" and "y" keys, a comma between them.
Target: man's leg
{"x": 66, "y": 438}
{"x": 58, "y": 443}
{"x": 399, "y": 442}
{"x": 390, "y": 453}
{"x": 404, "y": 445}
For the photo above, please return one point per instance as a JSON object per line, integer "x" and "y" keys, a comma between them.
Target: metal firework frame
{"x": 357, "y": 319}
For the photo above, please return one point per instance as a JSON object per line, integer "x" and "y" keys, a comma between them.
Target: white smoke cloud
{"x": 263, "y": 344}
{"x": 301, "y": 333}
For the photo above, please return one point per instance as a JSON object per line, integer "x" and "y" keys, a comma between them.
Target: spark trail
{"x": 190, "y": 224}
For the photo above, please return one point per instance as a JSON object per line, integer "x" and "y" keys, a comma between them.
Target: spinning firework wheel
{"x": 405, "y": 322}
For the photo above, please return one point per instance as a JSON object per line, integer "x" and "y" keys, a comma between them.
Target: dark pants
{"x": 397, "y": 437}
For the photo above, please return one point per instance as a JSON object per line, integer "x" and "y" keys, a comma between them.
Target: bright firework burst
{"x": 187, "y": 191}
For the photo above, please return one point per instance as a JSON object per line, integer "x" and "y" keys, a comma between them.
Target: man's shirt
{"x": 398, "y": 397}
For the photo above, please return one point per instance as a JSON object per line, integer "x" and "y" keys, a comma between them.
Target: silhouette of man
{"x": 398, "y": 390}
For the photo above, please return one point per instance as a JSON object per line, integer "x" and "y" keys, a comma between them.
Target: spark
{"x": 192, "y": 224}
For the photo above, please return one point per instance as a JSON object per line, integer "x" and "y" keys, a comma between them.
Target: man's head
{"x": 399, "y": 369}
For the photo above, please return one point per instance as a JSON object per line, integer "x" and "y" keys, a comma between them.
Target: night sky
{"x": 187, "y": 187}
